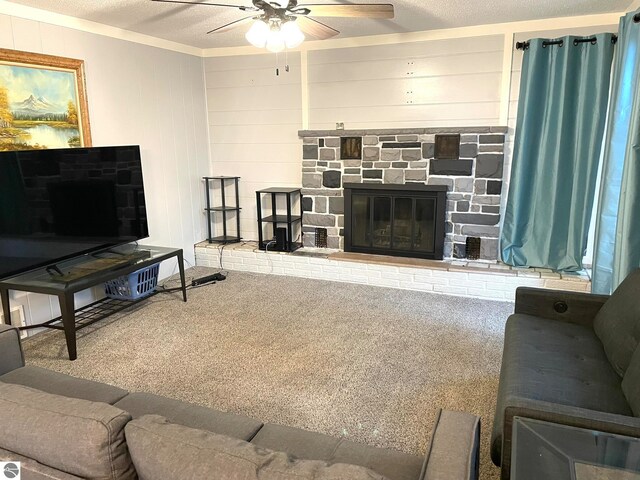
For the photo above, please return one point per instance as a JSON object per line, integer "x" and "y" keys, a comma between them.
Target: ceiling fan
{"x": 280, "y": 24}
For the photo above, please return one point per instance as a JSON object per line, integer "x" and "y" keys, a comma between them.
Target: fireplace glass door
{"x": 394, "y": 223}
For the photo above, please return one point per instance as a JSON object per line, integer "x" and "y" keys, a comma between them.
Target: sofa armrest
{"x": 454, "y": 451}
{"x": 564, "y": 415}
{"x": 11, "y": 355}
{"x": 572, "y": 307}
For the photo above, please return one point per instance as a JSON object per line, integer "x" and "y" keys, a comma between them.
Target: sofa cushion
{"x": 189, "y": 415}
{"x": 11, "y": 355}
{"x": 162, "y": 450}
{"x": 300, "y": 443}
{"x": 617, "y": 324}
{"x": 61, "y": 384}
{"x": 557, "y": 362}
{"x": 75, "y": 436}
{"x": 631, "y": 383}
{"x": 32, "y": 470}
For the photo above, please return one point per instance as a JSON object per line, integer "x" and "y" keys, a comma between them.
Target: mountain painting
{"x": 38, "y": 108}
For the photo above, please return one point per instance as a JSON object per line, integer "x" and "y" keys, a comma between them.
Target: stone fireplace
{"x": 467, "y": 161}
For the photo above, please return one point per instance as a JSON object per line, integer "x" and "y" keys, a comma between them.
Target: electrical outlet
{"x": 17, "y": 319}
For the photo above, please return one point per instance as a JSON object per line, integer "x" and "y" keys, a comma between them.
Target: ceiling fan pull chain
{"x": 286, "y": 60}
{"x": 277, "y": 69}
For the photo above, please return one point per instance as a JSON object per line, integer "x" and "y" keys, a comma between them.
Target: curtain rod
{"x": 576, "y": 42}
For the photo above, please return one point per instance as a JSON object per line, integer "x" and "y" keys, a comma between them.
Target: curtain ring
{"x": 576, "y": 43}
{"x": 594, "y": 41}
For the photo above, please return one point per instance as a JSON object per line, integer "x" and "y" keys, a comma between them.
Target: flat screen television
{"x": 60, "y": 203}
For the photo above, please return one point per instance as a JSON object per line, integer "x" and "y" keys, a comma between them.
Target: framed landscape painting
{"x": 43, "y": 102}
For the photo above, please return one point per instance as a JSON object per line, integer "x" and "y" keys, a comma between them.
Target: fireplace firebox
{"x": 406, "y": 220}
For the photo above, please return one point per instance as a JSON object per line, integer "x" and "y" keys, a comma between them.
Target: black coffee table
{"x": 81, "y": 273}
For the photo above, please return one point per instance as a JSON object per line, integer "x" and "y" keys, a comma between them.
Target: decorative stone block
{"x": 333, "y": 242}
{"x": 352, "y": 171}
{"x": 321, "y": 142}
{"x": 486, "y": 200}
{"x": 321, "y": 191}
{"x": 309, "y": 240}
{"x": 340, "y": 220}
{"x": 311, "y": 180}
{"x": 308, "y": 170}
{"x": 369, "y": 140}
{"x": 318, "y": 220}
{"x": 489, "y": 249}
{"x": 491, "y": 148}
{"x": 367, "y": 164}
{"x": 489, "y": 165}
{"x": 308, "y": 163}
{"x": 352, "y": 163}
{"x": 327, "y": 154}
{"x": 382, "y": 164}
{"x": 336, "y": 205}
{"x": 371, "y": 153}
{"x": 467, "y": 138}
{"x": 428, "y": 150}
{"x": 420, "y": 164}
{"x": 331, "y": 179}
{"x": 407, "y": 138}
{"x": 393, "y": 176}
{"x": 468, "y": 150}
{"x": 494, "y": 187}
{"x": 415, "y": 175}
{"x": 448, "y": 227}
{"x": 451, "y": 206}
{"x": 333, "y": 142}
{"x": 459, "y": 250}
{"x": 401, "y": 145}
{"x": 475, "y": 219}
{"x": 451, "y": 167}
{"x": 447, "y": 250}
{"x": 484, "y": 139}
{"x": 309, "y": 152}
{"x": 372, "y": 174}
{"x": 307, "y": 204}
{"x": 491, "y": 209}
{"x": 475, "y": 208}
{"x": 352, "y": 178}
{"x": 310, "y": 140}
{"x": 372, "y": 181}
{"x": 464, "y": 184}
{"x": 400, "y": 164}
{"x": 321, "y": 204}
{"x": 441, "y": 181}
{"x": 480, "y": 187}
{"x": 428, "y": 138}
{"x": 387, "y": 138}
{"x": 390, "y": 155}
{"x": 480, "y": 231}
{"x": 462, "y": 206}
{"x": 335, "y": 165}
{"x": 411, "y": 154}
{"x": 322, "y": 164}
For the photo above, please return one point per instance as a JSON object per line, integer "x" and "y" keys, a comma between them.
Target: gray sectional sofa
{"x": 570, "y": 358}
{"x": 62, "y": 427}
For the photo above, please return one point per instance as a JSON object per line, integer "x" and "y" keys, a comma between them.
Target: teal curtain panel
{"x": 561, "y": 119}
{"x": 617, "y": 243}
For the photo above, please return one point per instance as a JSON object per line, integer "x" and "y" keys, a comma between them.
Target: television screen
{"x": 60, "y": 203}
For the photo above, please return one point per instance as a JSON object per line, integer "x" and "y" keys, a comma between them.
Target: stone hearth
{"x": 400, "y": 156}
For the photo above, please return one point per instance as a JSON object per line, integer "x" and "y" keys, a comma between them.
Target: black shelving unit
{"x": 283, "y": 226}
{"x": 223, "y": 208}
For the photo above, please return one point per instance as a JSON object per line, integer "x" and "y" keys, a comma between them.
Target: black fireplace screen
{"x": 405, "y": 220}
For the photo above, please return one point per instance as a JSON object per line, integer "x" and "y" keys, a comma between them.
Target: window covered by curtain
{"x": 617, "y": 243}
{"x": 561, "y": 120}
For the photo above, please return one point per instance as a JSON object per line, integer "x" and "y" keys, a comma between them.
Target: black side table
{"x": 84, "y": 272}
{"x": 282, "y": 225}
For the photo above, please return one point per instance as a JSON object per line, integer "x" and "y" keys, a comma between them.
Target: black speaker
{"x": 281, "y": 239}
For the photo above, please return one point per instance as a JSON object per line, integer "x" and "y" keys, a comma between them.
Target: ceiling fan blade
{"x": 359, "y": 10}
{"x": 315, "y": 28}
{"x": 182, "y": 2}
{"x": 231, "y": 26}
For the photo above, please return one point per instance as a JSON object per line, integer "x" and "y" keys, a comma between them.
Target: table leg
{"x": 6, "y": 311}
{"x": 184, "y": 283}
{"x": 68, "y": 310}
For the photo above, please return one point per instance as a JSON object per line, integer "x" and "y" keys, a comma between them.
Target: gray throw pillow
{"x": 617, "y": 324}
{"x": 631, "y": 383}
{"x": 162, "y": 450}
{"x": 74, "y": 436}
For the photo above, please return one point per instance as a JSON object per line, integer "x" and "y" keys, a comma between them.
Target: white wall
{"x": 137, "y": 95}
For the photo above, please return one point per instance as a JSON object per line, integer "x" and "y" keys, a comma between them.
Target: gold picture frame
{"x": 43, "y": 102}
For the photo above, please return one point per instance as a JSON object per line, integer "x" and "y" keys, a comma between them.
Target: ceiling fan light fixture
{"x": 292, "y": 34}
{"x": 258, "y": 34}
{"x": 275, "y": 40}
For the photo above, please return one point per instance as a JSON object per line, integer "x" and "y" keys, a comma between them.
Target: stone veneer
{"x": 399, "y": 156}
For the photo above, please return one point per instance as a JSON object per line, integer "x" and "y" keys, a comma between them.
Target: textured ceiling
{"x": 189, "y": 24}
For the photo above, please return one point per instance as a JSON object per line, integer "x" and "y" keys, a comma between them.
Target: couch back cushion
{"x": 162, "y": 450}
{"x": 75, "y": 436}
{"x": 631, "y": 383}
{"x": 617, "y": 324}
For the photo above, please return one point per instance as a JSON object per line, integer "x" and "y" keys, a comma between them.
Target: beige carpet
{"x": 368, "y": 363}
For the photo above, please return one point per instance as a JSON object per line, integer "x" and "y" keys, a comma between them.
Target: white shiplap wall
{"x": 138, "y": 95}
{"x": 254, "y": 118}
{"x": 454, "y": 82}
